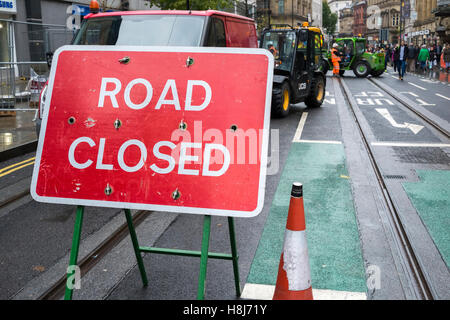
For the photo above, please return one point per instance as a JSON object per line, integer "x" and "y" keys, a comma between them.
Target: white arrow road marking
{"x": 415, "y": 85}
{"x": 440, "y": 95}
{"x": 423, "y": 103}
{"x": 415, "y": 128}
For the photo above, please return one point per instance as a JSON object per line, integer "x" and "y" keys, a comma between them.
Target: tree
{"x": 329, "y": 20}
{"x": 193, "y": 4}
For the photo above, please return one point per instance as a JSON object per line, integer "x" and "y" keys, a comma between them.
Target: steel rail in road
{"x": 424, "y": 114}
{"x": 56, "y": 291}
{"x": 421, "y": 286}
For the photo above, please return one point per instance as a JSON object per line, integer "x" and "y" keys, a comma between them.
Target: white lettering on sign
{"x": 115, "y": 86}
{"x": 72, "y": 148}
{"x": 147, "y": 99}
{"x": 183, "y": 159}
{"x": 121, "y": 153}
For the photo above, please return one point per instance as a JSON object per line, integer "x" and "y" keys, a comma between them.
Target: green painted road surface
{"x": 332, "y": 233}
{"x": 431, "y": 198}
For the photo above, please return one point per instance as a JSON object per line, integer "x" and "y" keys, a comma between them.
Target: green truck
{"x": 354, "y": 57}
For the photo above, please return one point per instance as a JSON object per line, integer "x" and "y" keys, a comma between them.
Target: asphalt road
{"x": 35, "y": 236}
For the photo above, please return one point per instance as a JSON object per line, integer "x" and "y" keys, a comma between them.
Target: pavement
{"x": 17, "y": 134}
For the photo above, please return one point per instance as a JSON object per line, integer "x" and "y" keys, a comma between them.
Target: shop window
{"x": 280, "y": 6}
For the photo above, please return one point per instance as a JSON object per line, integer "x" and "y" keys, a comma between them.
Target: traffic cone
{"x": 294, "y": 277}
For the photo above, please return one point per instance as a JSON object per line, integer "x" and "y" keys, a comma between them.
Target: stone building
{"x": 442, "y": 14}
{"x": 359, "y": 17}
{"x": 289, "y": 12}
{"x": 346, "y": 22}
{"x": 336, "y": 6}
{"x": 422, "y": 25}
{"x": 383, "y": 21}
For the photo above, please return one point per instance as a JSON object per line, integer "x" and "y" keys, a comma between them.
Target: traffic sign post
{"x": 157, "y": 128}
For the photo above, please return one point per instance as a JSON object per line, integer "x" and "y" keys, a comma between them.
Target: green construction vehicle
{"x": 354, "y": 57}
{"x": 298, "y": 73}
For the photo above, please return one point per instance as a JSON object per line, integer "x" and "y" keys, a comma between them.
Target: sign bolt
{"x": 71, "y": 120}
{"x": 183, "y": 125}
{"x": 108, "y": 189}
{"x": 117, "y": 124}
{"x": 189, "y": 62}
{"x": 124, "y": 60}
{"x": 176, "y": 194}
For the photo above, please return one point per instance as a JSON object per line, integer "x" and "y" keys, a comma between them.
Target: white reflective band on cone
{"x": 296, "y": 261}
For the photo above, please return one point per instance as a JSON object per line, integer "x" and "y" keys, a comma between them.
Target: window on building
{"x": 280, "y": 6}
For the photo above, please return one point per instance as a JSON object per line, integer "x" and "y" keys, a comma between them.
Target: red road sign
{"x": 156, "y": 128}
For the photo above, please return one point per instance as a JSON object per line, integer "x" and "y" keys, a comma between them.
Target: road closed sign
{"x": 157, "y": 128}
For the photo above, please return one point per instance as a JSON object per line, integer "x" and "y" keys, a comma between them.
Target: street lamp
{"x": 402, "y": 4}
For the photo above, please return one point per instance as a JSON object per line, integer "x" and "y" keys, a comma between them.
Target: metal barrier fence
{"x": 22, "y": 81}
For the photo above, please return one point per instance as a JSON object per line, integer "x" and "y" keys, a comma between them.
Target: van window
{"x": 150, "y": 30}
{"x": 241, "y": 33}
{"x": 216, "y": 34}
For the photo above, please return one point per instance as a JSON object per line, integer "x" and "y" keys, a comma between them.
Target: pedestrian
{"x": 395, "y": 57}
{"x": 401, "y": 54}
{"x": 438, "y": 52}
{"x": 433, "y": 57}
{"x": 424, "y": 56}
{"x": 387, "y": 57}
{"x": 416, "y": 62}
{"x": 335, "y": 59}
{"x": 411, "y": 58}
{"x": 446, "y": 53}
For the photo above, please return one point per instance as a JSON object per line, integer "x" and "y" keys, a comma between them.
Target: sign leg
{"x": 72, "y": 270}
{"x": 234, "y": 255}
{"x": 204, "y": 257}
{"x": 137, "y": 251}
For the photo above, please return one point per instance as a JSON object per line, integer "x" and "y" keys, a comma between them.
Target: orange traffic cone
{"x": 294, "y": 277}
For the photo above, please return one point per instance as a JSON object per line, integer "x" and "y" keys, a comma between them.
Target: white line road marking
{"x": 409, "y": 144}
{"x": 415, "y": 85}
{"x": 319, "y": 141}
{"x": 411, "y": 93}
{"x": 415, "y": 128}
{"x": 426, "y": 80}
{"x": 440, "y": 95}
{"x": 266, "y": 291}
{"x": 423, "y": 103}
{"x": 329, "y": 101}
{"x": 300, "y": 126}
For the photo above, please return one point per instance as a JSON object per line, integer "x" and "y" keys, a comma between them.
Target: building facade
{"x": 383, "y": 21}
{"x": 336, "y": 6}
{"x": 346, "y": 22}
{"x": 359, "y": 17}
{"x": 422, "y": 25}
{"x": 289, "y": 12}
{"x": 442, "y": 14}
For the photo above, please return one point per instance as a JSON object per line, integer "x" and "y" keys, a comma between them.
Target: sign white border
{"x": 143, "y": 206}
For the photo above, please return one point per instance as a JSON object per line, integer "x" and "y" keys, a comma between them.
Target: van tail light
{"x": 42, "y": 101}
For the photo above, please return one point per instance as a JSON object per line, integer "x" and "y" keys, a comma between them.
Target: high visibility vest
{"x": 334, "y": 56}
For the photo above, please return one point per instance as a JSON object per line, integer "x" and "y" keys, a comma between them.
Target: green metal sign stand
{"x": 204, "y": 254}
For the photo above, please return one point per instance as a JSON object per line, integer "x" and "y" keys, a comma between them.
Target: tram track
{"x": 56, "y": 291}
{"x": 415, "y": 273}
